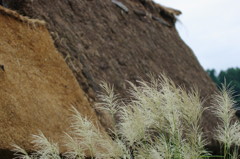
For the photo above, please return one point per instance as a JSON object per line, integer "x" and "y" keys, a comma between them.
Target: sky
{"x": 212, "y": 30}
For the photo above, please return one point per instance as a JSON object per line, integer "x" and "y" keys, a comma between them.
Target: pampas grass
{"x": 44, "y": 149}
{"x": 158, "y": 121}
{"x": 228, "y": 131}
{"x": 20, "y": 152}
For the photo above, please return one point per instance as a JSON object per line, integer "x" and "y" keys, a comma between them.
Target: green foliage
{"x": 214, "y": 77}
{"x": 231, "y": 77}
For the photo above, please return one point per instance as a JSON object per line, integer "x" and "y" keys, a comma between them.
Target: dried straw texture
{"x": 169, "y": 11}
{"x": 24, "y": 19}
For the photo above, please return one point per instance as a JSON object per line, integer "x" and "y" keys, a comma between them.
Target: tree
{"x": 212, "y": 74}
{"x": 231, "y": 77}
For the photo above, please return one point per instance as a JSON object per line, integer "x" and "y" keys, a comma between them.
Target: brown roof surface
{"x": 101, "y": 41}
{"x": 37, "y": 87}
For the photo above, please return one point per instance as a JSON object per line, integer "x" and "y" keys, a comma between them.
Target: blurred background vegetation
{"x": 231, "y": 77}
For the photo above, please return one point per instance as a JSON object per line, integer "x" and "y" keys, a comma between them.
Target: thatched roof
{"x": 101, "y": 41}
{"x": 37, "y": 89}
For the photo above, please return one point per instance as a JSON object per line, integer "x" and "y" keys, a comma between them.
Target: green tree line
{"x": 231, "y": 77}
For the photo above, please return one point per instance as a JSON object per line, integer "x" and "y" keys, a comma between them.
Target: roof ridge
{"x": 21, "y": 18}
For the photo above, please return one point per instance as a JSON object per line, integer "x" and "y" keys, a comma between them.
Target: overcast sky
{"x": 212, "y": 29}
